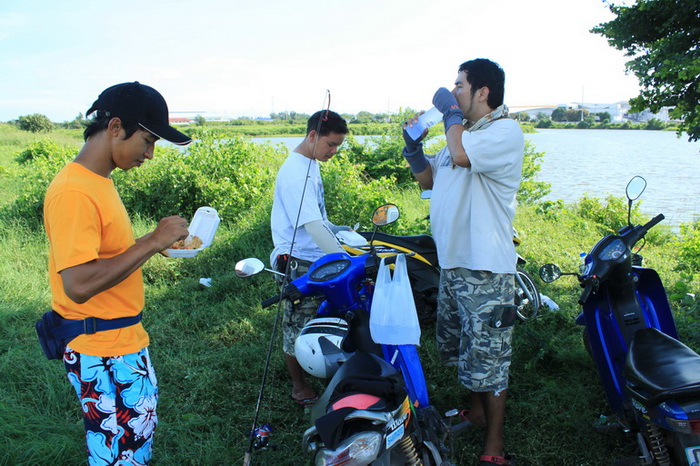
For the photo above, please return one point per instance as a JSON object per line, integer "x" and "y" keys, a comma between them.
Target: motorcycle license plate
{"x": 394, "y": 436}
{"x": 693, "y": 454}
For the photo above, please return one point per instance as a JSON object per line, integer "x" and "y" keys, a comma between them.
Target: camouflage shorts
{"x": 297, "y": 315}
{"x": 474, "y": 329}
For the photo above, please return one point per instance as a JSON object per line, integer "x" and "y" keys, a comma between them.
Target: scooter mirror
{"x": 550, "y": 272}
{"x": 249, "y": 267}
{"x": 385, "y": 215}
{"x": 635, "y": 187}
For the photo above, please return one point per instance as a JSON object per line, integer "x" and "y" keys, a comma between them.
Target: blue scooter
{"x": 651, "y": 380}
{"x": 375, "y": 408}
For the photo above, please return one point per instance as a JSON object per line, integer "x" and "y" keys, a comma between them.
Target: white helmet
{"x": 318, "y": 347}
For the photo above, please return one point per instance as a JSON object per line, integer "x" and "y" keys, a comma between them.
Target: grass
{"x": 209, "y": 346}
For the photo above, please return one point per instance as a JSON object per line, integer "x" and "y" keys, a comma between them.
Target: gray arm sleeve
{"x": 323, "y": 237}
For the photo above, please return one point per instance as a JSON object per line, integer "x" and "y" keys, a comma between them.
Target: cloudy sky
{"x": 236, "y": 57}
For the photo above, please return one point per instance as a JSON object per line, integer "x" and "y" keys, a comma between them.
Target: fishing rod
{"x": 251, "y": 445}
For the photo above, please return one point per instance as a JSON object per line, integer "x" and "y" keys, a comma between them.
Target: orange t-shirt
{"x": 85, "y": 220}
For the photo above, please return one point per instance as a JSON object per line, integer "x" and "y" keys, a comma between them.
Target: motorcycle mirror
{"x": 385, "y": 215}
{"x": 635, "y": 187}
{"x": 249, "y": 267}
{"x": 427, "y": 194}
{"x": 550, "y": 272}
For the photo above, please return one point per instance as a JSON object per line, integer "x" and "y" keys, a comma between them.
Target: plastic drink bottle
{"x": 425, "y": 121}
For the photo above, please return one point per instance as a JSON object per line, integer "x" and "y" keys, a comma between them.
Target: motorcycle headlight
{"x": 358, "y": 450}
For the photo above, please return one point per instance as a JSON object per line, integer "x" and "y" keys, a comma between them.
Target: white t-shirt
{"x": 289, "y": 188}
{"x": 472, "y": 209}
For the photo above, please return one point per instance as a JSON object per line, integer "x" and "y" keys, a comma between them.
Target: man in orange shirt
{"x": 95, "y": 271}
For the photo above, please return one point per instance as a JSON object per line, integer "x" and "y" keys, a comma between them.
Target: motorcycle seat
{"x": 661, "y": 368}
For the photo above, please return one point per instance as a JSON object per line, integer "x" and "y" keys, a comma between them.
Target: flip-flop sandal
{"x": 464, "y": 415}
{"x": 305, "y": 401}
{"x": 505, "y": 460}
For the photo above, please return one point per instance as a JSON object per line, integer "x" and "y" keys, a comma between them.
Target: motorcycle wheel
{"x": 527, "y": 296}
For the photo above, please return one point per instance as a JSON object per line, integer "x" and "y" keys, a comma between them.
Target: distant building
{"x": 188, "y": 117}
{"x": 646, "y": 115}
{"x": 533, "y": 110}
{"x": 180, "y": 121}
{"x": 619, "y": 111}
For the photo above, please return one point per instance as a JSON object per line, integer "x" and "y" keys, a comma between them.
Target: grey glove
{"x": 416, "y": 159}
{"x": 411, "y": 144}
{"x": 448, "y": 106}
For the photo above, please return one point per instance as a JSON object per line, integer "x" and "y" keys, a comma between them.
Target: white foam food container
{"x": 351, "y": 238}
{"x": 203, "y": 225}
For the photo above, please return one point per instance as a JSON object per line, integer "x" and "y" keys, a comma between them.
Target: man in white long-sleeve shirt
{"x": 301, "y": 231}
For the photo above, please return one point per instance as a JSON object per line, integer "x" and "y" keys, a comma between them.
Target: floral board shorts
{"x": 118, "y": 396}
{"x": 474, "y": 329}
{"x": 297, "y": 315}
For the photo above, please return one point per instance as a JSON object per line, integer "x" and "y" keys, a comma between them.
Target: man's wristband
{"x": 416, "y": 159}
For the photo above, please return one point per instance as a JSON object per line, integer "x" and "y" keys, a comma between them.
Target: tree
{"x": 36, "y": 123}
{"x": 573, "y": 114}
{"x": 559, "y": 114}
{"x": 661, "y": 37}
{"x": 602, "y": 116}
{"x": 199, "y": 120}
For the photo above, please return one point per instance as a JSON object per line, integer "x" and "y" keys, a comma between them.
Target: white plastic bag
{"x": 393, "y": 317}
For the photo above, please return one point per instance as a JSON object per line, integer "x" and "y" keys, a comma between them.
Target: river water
{"x": 599, "y": 163}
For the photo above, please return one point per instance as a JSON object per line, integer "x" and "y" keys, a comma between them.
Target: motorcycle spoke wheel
{"x": 527, "y": 296}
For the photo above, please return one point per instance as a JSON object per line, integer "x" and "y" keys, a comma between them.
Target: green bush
{"x": 40, "y": 163}
{"x": 689, "y": 247}
{"x": 46, "y": 149}
{"x": 609, "y": 216}
{"x": 380, "y": 157}
{"x": 230, "y": 175}
{"x": 350, "y": 195}
{"x": 531, "y": 190}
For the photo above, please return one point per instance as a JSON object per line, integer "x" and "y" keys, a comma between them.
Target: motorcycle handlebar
{"x": 637, "y": 233}
{"x": 270, "y": 301}
{"x": 654, "y": 221}
{"x": 585, "y": 293}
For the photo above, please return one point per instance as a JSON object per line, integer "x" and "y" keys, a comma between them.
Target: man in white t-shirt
{"x": 301, "y": 231}
{"x": 474, "y": 181}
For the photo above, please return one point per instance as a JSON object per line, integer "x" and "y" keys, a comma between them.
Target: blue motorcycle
{"x": 651, "y": 380}
{"x": 375, "y": 409}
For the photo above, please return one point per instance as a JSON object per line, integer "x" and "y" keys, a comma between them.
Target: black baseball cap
{"x": 136, "y": 102}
